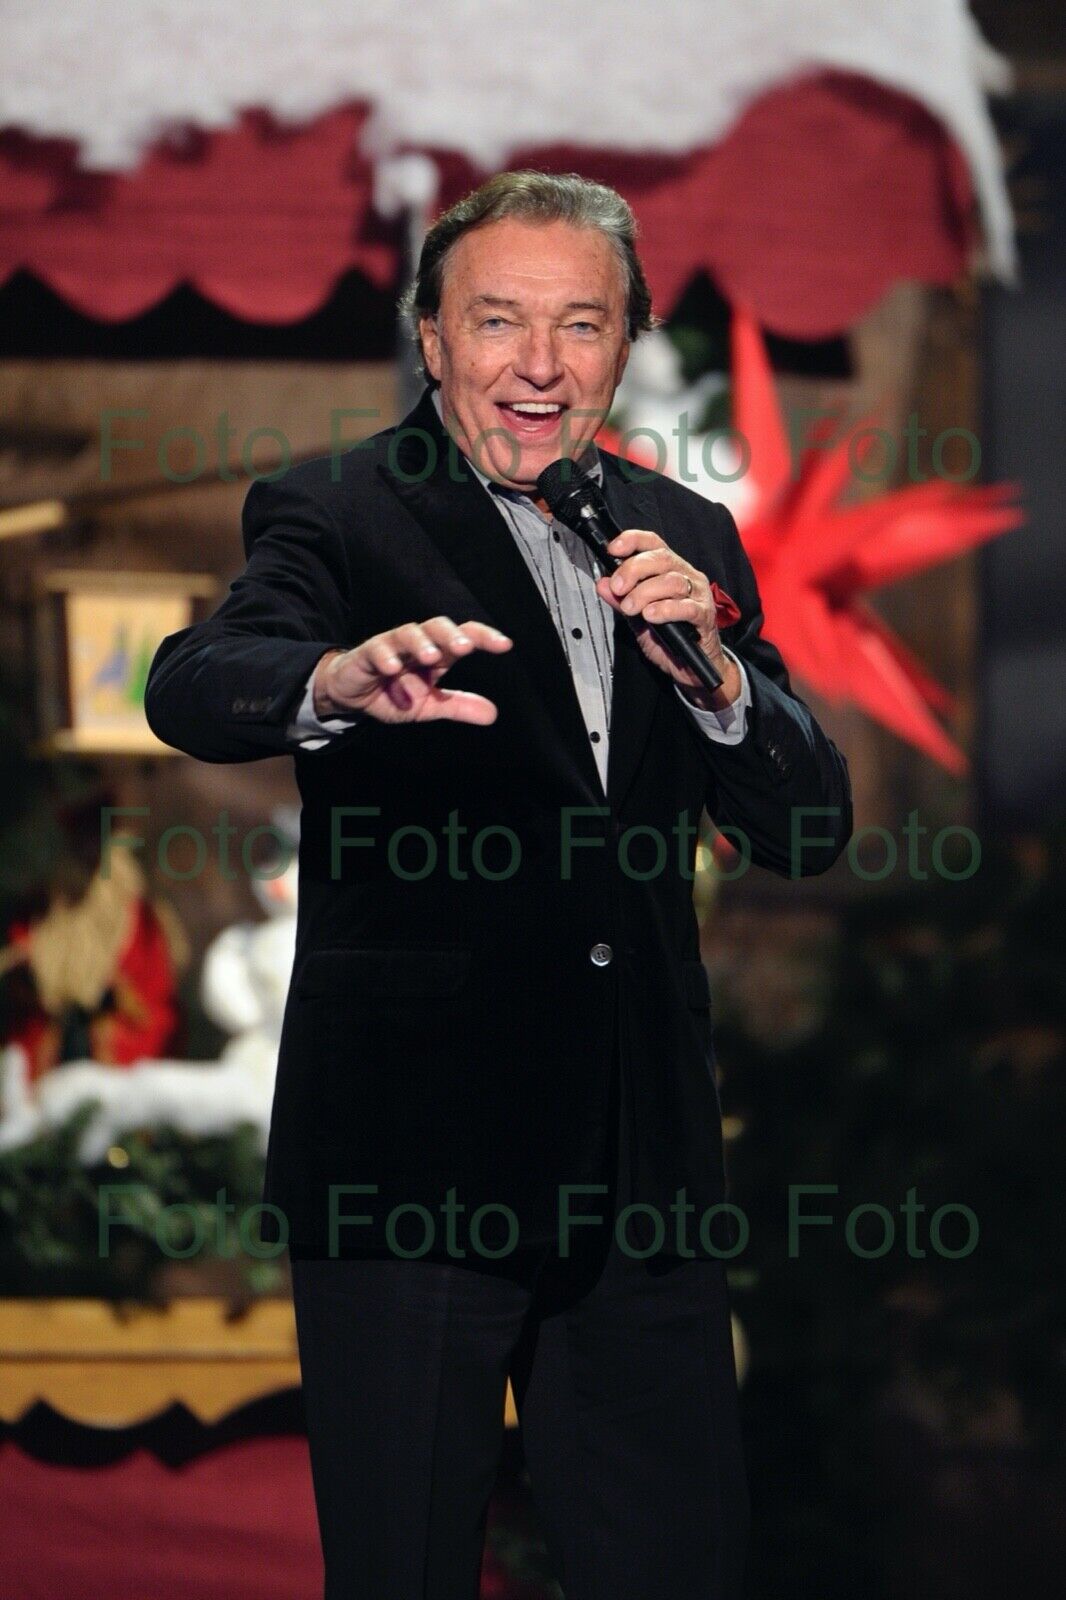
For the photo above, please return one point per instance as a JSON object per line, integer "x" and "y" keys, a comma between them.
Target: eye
{"x": 500, "y": 322}
{"x": 590, "y": 325}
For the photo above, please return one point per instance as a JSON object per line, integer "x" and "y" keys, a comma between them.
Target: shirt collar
{"x": 590, "y": 461}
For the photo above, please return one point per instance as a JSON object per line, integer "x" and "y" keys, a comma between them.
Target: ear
{"x": 429, "y": 335}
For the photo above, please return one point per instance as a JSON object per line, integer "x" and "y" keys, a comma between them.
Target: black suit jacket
{"x": 451, "y": 1022}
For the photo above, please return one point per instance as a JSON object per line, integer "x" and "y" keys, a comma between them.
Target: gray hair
{"x": 533, "y": 197}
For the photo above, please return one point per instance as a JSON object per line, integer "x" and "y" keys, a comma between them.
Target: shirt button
{"x": 576, "y": 633}
{"x": 594, "y": 736}
{"x": 601, "y": 955}
{"x": 555, "y": 535}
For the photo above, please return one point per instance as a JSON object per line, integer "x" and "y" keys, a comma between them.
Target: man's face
{"x": 530, "y": 314}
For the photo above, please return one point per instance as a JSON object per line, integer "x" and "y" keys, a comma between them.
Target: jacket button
{"x": 240, "y": 705}
{"x": 601, "y": 955}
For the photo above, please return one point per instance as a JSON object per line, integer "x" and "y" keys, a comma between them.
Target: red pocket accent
{"x": 727, "y": 609}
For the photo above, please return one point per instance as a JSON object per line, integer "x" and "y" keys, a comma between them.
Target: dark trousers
{"x": 624, "y": 1381}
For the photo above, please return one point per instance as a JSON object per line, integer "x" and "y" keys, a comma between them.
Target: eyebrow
{"x": 512, "y": 305}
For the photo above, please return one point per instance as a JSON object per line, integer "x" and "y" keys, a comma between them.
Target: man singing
{"x": 495, "y": 1147}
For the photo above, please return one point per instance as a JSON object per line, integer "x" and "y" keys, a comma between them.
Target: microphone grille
{"x": 564, "y": 486}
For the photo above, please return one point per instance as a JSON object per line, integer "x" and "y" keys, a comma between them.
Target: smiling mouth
{"x": 532, "y": 419}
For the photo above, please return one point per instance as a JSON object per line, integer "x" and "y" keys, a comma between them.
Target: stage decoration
{"x": 173, "y": 1134}
{"x": 97, "y": 634}
{"x": 163, "y": 1188}
{"x": 261, "y": 168}
{"x": 484, "y": 81}
{"x": 101, "y": 973}
{"x": 816, "y": 555}
{"x": 243, "y": 987}
{"x": 261, "y": 220}
{"x": 110, "y": 1365}
{"x": 656, "y": 407}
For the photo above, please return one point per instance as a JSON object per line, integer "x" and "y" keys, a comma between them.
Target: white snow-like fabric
{"x": 485, "y": 77}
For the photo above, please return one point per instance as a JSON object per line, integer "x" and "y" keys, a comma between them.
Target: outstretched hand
{"x": 394, "y": 676}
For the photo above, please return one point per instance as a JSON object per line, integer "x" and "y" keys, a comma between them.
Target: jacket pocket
{"x": 366, "y": 973}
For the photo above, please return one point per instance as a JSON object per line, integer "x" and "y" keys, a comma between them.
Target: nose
{"x": 537, "y": 361}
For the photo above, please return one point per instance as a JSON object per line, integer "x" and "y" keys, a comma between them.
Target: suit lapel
{"x": 457, "y": 513}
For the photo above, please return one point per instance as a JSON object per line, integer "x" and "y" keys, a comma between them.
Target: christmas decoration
{"x": 101, "y": 973}
{"x": 197, "y": 154}
{"x": 814, "y": 554}
{"x": 170, "y": 1181}
{"x": 815, "y": 557}
{"x": 170, "y": 1134}
{"x": 243, "y": 988}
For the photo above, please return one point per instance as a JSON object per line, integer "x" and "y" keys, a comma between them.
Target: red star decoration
{"x": 815, "y": 558}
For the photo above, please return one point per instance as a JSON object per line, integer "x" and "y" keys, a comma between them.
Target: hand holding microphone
{"x": 669, "y": 601}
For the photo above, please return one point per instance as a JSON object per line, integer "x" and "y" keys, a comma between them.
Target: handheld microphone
{"x": 576, "y": 500}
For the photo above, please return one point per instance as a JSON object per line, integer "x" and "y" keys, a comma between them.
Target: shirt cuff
{"x": 728, "y": 724}
{"x": 311, "y": 731}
